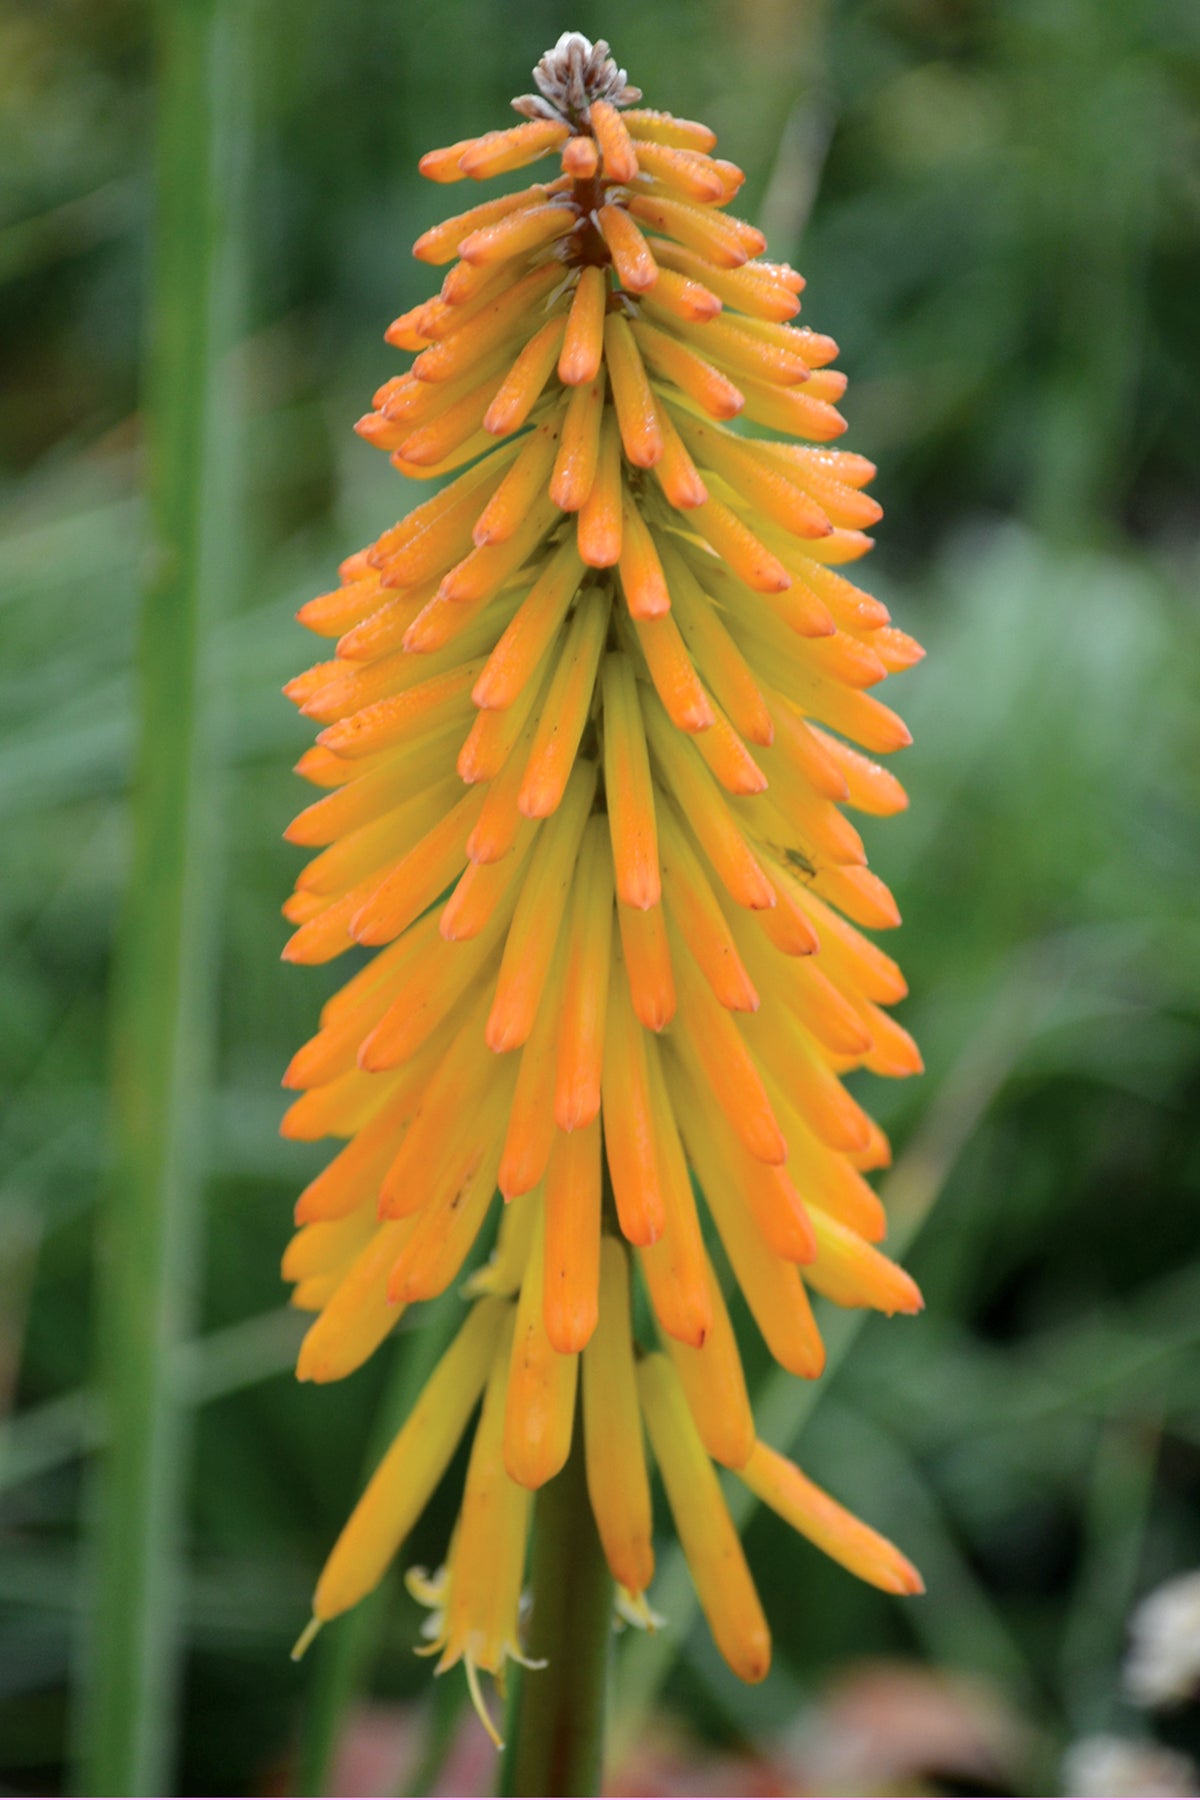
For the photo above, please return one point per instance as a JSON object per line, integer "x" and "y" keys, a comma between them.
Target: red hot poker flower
{"x": 591, "y": 718}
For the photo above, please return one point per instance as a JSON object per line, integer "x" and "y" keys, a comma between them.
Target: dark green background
{"x": 996, "y": 207}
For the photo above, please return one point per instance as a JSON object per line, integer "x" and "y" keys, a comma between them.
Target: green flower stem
{"x": 165, "y": 962}
{"x": 555, "y": 1732}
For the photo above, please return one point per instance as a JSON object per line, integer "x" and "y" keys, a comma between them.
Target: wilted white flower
{"x": 1108, "y": 1765}
{"x": 1163, "y": 1665}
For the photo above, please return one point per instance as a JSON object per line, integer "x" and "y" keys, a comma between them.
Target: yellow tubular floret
{"x": 612, "y": 1426}
{"x": 585, "y": 988}
{"x": 710, "y": 1541}
{"x": 675, "y": 1265}
{"x": 397, "y": 1493}
{"x": 534, "y": 929}
{"x": 781, "y": 1486}
{"x": 565, "y": 713}
{"x": 481, "y": 1621}
{"x": 571, "y": 1275}
{"x": 715, "y": 1387}
{"x": 628, "y": 789}
{"x": 540, "y": 1402}
{"x": 529, "y": 1134}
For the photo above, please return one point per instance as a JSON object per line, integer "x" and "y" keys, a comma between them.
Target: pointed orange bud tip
{"x": 502, "y": 1035}
{"x": 306, "y": 1637}
{"x": 908, "y": 1578}
{"x": 405, "y": 333}
{"x": 442, "y": 165}
{"x": 909, "y": 1298}
{"x": 580, "y": 158}
{"x": 576, "y": 1110}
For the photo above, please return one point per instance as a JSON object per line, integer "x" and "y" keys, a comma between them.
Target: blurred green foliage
{"x": 997, "y": 209}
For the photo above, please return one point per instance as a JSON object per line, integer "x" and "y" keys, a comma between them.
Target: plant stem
{"x": 555, "y": 1737}
{"x": 164, "y": 969}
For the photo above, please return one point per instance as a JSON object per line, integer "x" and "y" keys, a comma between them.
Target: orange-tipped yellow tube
{"x": 617, "y": 154}
{"x": 540, "y": 1406}
{"x": 446, "y": 1231}
{"x": 703, "y": 383}
{"x": 568, "y": 703}
{"x": 440, "y": 243}
{"x": 715, "y": 1386}
{"x": 715, "y": 656}
{"x": 513, "y": 499}
{"x": 722, "y": 241}
{"x": 579, "y": 452}
{"x": 697, "y": 913}
{"x": 518, "y": 392}
{"x": 754, "y": 291}
{"x": 637, "y": 413}
{"x": 642, "y": 579}
{"x": 517, "y": 234}
{"x": 499, "y": 151}
{"x": 571, "y": 1278}
{"x": 495, "y": 733}
{"x": 673, "y": 673}
{"x": 600, "y": 528}
{"x": 633, "y": 1163}
{"x": 632, "y": 258}
{"x": 530, "y": 1133}
{"x": 728, "y": 1063}
{"x": 702, "y": 803}
{"x": 676, "y": 473}
{"x": 773, "y": 1289}
{"x": 694, "y": 176}
{"x": 675, "y": 1265}
{"x": 706, "y": 1531}
{"x": 648, "y": 964}
{"x": 359, "y": 1315}
{"x": 585, "y": 987}
{"x": 628, "y": 789}
{"x": 485, "y": 886}
{"x": 644, "y": 123}
{"x": 583, "y": 346}
{"x": 438, "y": 980}
{"x": 780, "y": 1485}
{"x": 531, "y": 939}
{"x": 399, "y": 1490}
{"x": 851, "y": 1272}
{"x": 616, "y": 1459}
{"x": 529, "y": 633}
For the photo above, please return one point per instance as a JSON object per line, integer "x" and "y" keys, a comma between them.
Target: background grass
{"x": 996, "y": 207}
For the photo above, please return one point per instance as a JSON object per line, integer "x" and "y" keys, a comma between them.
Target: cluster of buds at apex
{"x": 571, "y": 76}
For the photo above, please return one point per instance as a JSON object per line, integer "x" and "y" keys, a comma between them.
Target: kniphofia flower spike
{"x": 591, "y": 718}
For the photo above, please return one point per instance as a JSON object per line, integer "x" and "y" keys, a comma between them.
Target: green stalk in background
{"x": 164, "y": 975}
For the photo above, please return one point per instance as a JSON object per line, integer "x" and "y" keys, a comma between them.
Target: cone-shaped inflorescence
{"x": 591, "y": 718}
